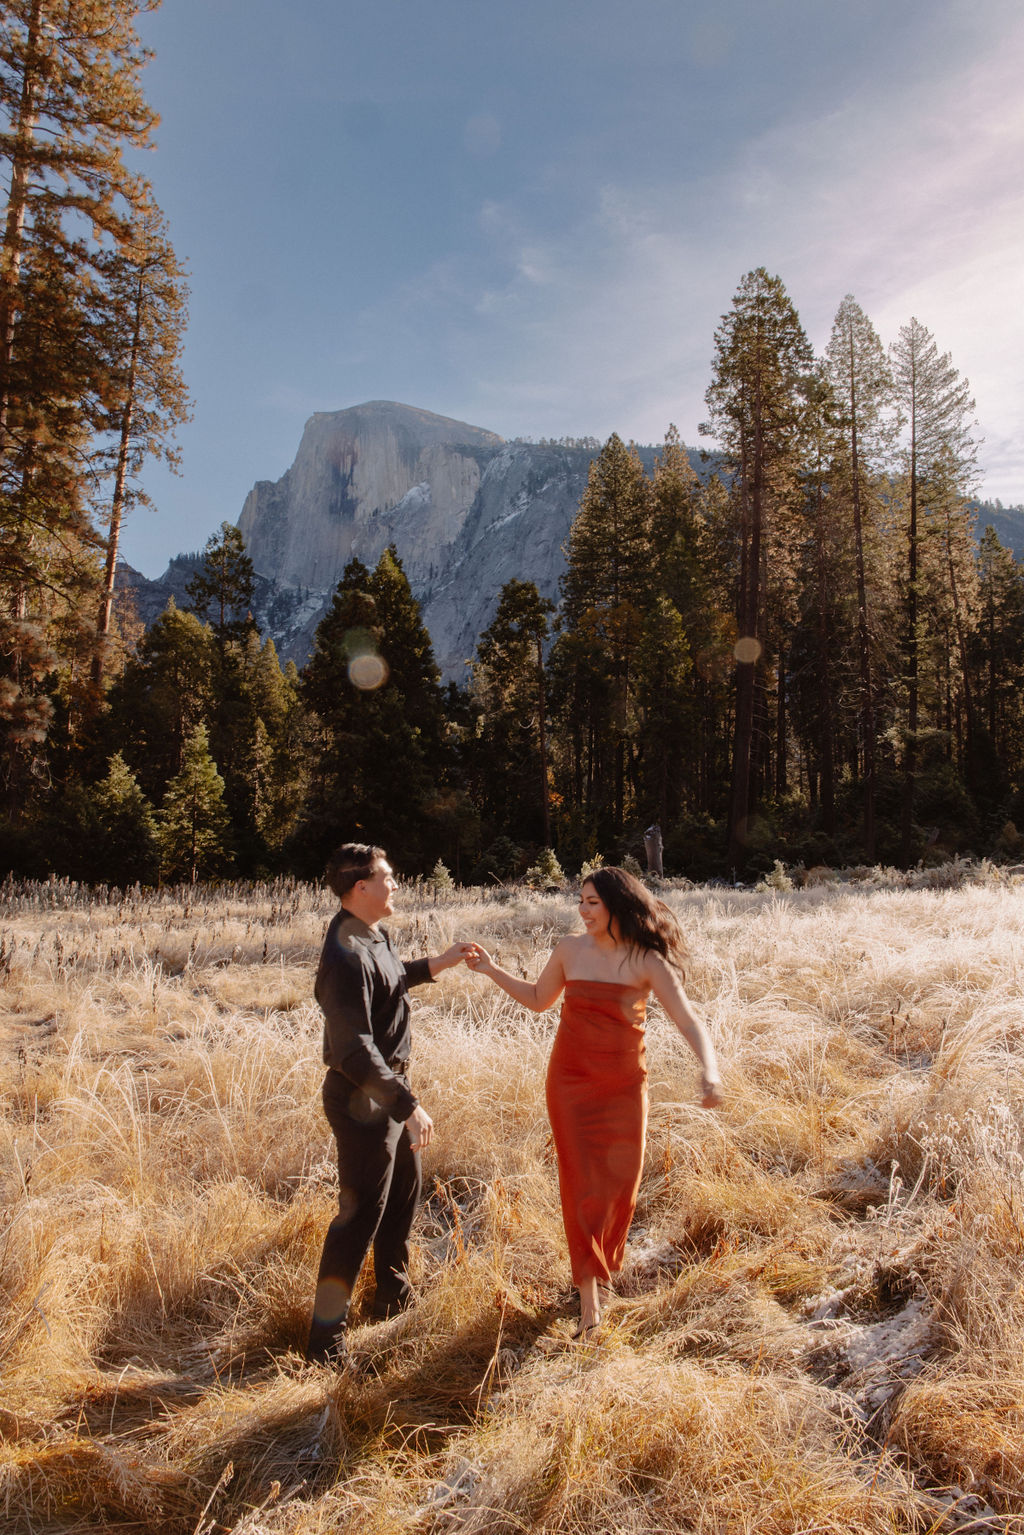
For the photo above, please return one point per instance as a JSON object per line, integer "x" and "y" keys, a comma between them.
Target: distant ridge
{"x": 1008, "y": 522}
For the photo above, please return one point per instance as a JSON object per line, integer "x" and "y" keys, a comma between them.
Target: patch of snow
{"x": 415, "y": 498}
{"x": 896, "y": 1338}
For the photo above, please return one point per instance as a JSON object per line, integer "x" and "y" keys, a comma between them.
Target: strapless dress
{"x": 597, "y": 1104}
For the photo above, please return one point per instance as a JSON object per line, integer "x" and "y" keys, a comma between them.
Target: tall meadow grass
{"x": 820, "y": 1325}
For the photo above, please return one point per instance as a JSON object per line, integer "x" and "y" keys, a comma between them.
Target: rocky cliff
{"x": 466, "y": 511}
{"x": 362, "y": 478}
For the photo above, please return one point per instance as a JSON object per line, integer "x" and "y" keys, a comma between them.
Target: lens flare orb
{"x": 367, "y": 672}
{"x": 747, "y": 649}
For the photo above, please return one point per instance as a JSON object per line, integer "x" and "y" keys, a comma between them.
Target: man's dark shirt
{"x": 362, "y": 987}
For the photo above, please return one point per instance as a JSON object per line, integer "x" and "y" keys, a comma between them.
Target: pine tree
{"x": 222, "y": 588}
{"x": 511, "y": 689}
{"x": 167, "y": 689}
{"x": 70, "y": 93}
{"x": 605, "y": 589}
{"x": 143, "y": 323}
{"x": 194, "y": 825}
{"x": 666, "y": 708}
{"x": 997, "y": 650}
{"x": 113, "y": 830}
{"x": 380, "y": 759}
{"x": 756, "y": 404}
{"x": 47, "y": 545}
{"x": 256, "y": 740}
{"x": 863, "y": 389}
{"x": 939, "y": 455}
{"x": 818, "y": 641}
{"x": 677, "y": 525}
{"x": 683, "y": 573}
{"x": 70, "y": 90}
{"x": 609, "y": 545}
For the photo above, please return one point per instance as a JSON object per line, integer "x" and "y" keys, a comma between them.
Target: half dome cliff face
{"x": 363, "y": 478}
{"x": 466, "y": 511}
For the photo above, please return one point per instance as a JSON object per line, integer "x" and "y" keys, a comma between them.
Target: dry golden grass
{"x": 820, "y": 1326}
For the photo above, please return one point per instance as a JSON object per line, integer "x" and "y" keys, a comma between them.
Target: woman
{"x": 597, "y": 1075}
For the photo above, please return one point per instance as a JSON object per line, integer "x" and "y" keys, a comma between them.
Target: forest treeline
{"x": 808, "y": 654}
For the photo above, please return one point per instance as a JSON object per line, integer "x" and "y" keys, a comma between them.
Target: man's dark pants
{"x": 379, "y": 1182}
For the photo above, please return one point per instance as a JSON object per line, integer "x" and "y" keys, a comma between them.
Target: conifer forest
{"x": 811, "y": 652}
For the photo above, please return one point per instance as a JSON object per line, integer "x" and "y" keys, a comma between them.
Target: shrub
{"x": 777, "y": 878}
{"x": 440, "y": 879}
{"x": 547, "y": 872}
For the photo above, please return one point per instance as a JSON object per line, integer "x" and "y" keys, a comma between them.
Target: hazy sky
{"x": 531, "y": 215}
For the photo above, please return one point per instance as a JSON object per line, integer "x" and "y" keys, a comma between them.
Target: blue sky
{"x": 531, "y": 216}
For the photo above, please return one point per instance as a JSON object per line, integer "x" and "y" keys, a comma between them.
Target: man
{"x": 379, "y": 1126}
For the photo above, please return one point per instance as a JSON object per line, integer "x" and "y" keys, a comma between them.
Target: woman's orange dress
{"x": 597, "y": 1104}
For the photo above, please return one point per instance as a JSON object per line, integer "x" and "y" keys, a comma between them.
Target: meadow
{"x": 820, "y": 1325}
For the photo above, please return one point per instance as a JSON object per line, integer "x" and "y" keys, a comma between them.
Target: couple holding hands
{"x": 631, "y": 947}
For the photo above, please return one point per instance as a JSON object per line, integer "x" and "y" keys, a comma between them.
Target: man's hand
{"x": 478, "y": 959}
{"x": 420, "y": 1127}
{"x": 451, "y": 956}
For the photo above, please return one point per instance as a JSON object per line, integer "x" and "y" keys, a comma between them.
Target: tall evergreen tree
{"x": 109, "y": 830}
{"x": 756, "y": 411}
{"x": 71, "y": 99}
{"x": 167, "y": 689}
{"x": 257, "y": 739}
{"x": 605, "y": 588}
{"x": 379, "y": 753}
{"x": 939, "y": 455}
{"x": 194, "y": 825}
{"x": 222, "y": 588}
{"x": 511, "y": 688}
{"x": 816, "y": 641}
{"x": 144, "y": 318}
{"x": 862, "y": 386}
{"x": 997, "y": 652}
{"x": 666, "y": 709}
{"x": 70, "y": 90}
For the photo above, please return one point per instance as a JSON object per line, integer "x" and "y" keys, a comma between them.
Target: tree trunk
{"x": 10, "y": 266}
{"x": 743, "y": 729}
{"x": 117, "y": 499}
{"x": 543, "y": 734}
{"x": 910, "y": 755}
{"x": 961, "y": 642}
{"x": 827, "y": 742}
{"x": 781, "y": 740}
{"x": 867, "y": 706}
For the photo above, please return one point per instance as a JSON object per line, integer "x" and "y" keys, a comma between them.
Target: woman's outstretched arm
{"x": 668, "y": 989}
{"x": 536, "y": 995}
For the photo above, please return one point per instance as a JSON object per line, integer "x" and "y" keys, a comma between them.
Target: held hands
{"x": 478, "y": 959}
{"x": 455, "y": 955}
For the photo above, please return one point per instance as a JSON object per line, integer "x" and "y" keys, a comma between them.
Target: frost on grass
{"x": 818, "y": 1325}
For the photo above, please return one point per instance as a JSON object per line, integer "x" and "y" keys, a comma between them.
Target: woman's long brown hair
{"x": 644, "y": 922}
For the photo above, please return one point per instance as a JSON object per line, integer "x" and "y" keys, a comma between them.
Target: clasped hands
{"x": 470, "y": 954}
